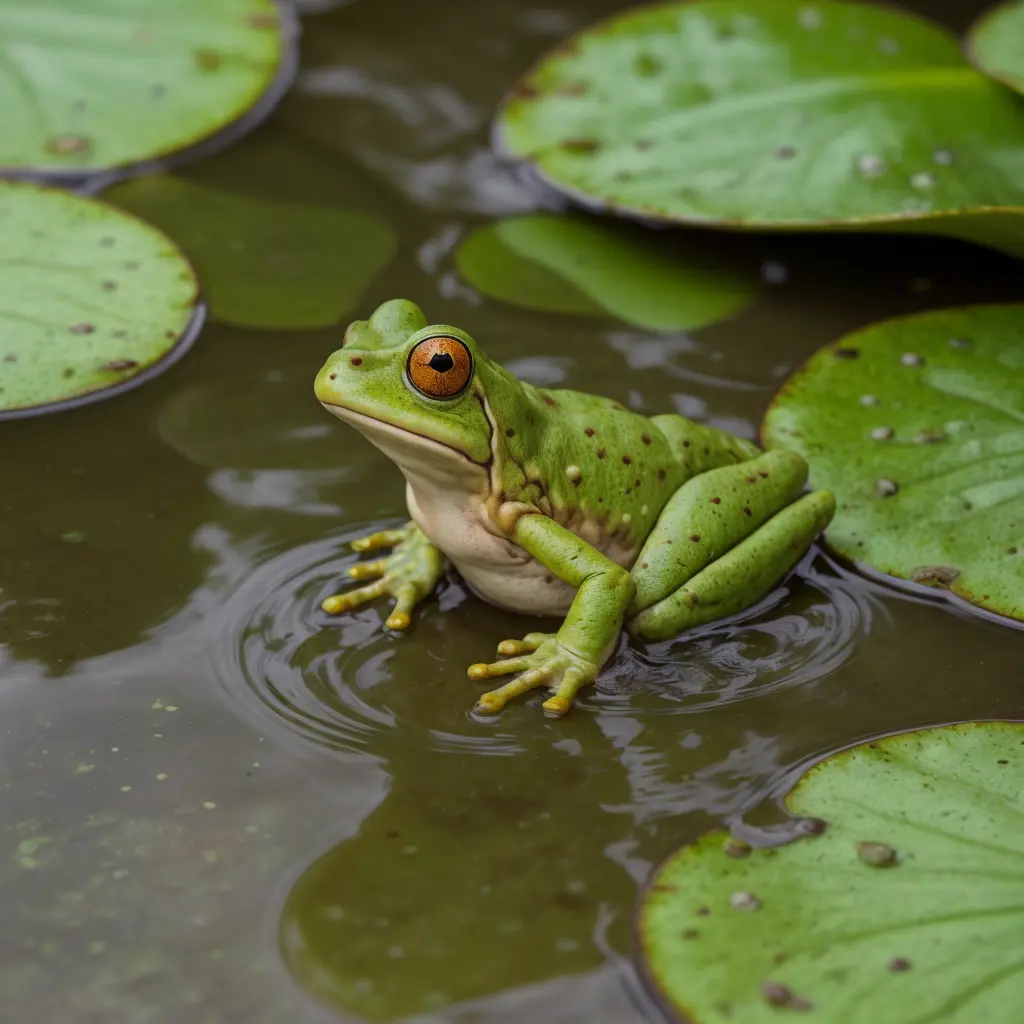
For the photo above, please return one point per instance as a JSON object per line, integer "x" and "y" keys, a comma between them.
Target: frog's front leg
{"x": 572, "y": 657}
{"x": 408, "y": 574}
{"x": 723, "y": 541}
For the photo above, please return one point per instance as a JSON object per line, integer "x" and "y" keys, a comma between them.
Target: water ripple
{"x": 346, "y": 685}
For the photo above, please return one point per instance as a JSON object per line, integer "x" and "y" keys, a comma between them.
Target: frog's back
{"x": 602, "y": 470}
{"x": 700, "y": 448}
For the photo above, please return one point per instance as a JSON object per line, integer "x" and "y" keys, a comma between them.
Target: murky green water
{"x": 210, "y": 790}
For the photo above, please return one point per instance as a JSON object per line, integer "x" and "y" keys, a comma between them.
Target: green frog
{"x": 557, "y": 503}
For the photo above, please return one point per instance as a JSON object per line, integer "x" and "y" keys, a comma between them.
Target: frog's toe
{"x": 381, "y": 539}
{"x": 369, "y": 570}
{"x": 483, "y": 670}
{"x": 338, "y": 603}
{"x": 494, "y": 700}
{"x": 527, "y": 645}
{"x": 556, "y": 706}
{"x": 572, "y": 682}
{"x": 405, "y": 600}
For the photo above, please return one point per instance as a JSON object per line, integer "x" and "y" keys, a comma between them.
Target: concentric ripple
{"x": 348, "y": 685}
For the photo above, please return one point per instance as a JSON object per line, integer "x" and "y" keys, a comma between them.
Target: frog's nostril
{"x": 333, "y": 375}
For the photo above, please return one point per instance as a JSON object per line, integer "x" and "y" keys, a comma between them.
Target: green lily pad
{"x": 291, "y": 246}
{"x": 917, "y": 425}
{"x": 92, "y": 301}
{"x": 909, "y": 907}
{"x": 137, "y": 80}
{"x": 566, "y": 265}
{"x": 760, "y": 114}
{"x": 996, "y": 43}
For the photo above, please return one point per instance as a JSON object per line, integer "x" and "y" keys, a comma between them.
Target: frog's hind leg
{"x": 722, "y": 542}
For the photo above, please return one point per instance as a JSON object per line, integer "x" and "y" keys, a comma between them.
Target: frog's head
{"x": 412, "y": 389}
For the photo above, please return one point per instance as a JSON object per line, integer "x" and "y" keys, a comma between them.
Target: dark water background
{"x": 210, "y": 791}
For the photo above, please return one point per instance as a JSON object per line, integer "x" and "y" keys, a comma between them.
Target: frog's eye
{"x": 440, "y": 367}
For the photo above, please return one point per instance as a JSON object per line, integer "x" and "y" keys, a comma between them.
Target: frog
{"x": 557, "y": 503}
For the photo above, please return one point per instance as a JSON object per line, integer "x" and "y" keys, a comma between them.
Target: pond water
{"x": 220, "y": 805}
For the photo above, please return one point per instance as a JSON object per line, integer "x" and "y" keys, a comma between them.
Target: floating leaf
{"x": 996, "y": 43}
{"x": 932, "y": 935}
{"x": 917, "y": 425}
{"x": 566, "y": 265}
{"x": 279, "y": 250}
{"x": 91, "y": 301}
{"x": 764, "y": 114}
{"x": 89, "y": 87}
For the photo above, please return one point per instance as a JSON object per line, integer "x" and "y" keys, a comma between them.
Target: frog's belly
{"x": 495, "y": 569}
{"x": 525, "y": 587}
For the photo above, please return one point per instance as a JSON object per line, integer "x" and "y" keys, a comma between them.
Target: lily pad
{"x": 755, "y": 114}
{"x": 289, "y": 247}
{"x": 568, "y": 265}
{"x": 137, "y": 80}
{"x": 996, "y": 43}
{"x": 92, "y": 301}
{"x": 917, "y": 425}
{"x": 909, "y": 907}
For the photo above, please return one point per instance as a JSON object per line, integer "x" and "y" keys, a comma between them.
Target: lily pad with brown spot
{"x": 921, "y": 437}
{"x": 90, "y": 87}
{"x": 931, "y": 932}
{"x": 92, "y": 301}
{"x": 571, "y": 265}
{"x": 773, "y": 114}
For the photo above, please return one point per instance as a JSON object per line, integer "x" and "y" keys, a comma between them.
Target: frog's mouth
{"x": 414, "y": 453}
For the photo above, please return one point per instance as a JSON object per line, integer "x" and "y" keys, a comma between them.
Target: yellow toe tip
{"x": 485, "y": 706}
{"x": 360, "y": 545}
{"x": 507, "y": 647}
{"x": 556, "y": 706}
{"x": 332, "y": 605}
{"x": 397, "y": 620}
{"x": 478, "y": 671}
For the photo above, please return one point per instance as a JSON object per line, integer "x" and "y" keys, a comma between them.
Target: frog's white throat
{"x": 447, "y": 497}
{"x": 432, "y": 469}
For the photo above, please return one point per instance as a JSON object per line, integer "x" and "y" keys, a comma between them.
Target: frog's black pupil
{"x": 441, "y": 362}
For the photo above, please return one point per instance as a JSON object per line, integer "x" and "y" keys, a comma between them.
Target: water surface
{"x": 220, "y": 805}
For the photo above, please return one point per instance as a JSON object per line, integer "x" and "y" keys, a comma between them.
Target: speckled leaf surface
{"x": 281, "y": 252}
{"x": 909, "y": 907}
{"x": 91, "y": 86}
{"x": 770, "y": 113}
{"x": 996, "y": 43}
{"x": 917, "y": 425}
{"x": 567, "y": 265}
{"x": 91, "y": 300}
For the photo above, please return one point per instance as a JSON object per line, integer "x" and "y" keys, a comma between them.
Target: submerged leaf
{"x": 92, "y": 300}
{"x": 767, "y": 114}
{"x": 937, "y": 936}
{"x": 89, "y": 87}
{"x": 996, "y": 43}
{"x": 917, "y": 425}
{"x": 279, "y": 249}
{"x": 567, "y": 265}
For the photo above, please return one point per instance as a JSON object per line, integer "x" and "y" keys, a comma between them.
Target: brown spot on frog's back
{"x": 548, "y": 400}
{"x": 589, "y": 431}
{"x": 627, "y": 459}
{"x": 646, "y": 438}
{"x": 601, "y": 453}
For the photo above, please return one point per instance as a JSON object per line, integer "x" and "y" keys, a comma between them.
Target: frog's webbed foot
{"x": 408, "y": 574}
{"x": 541, "y": 661}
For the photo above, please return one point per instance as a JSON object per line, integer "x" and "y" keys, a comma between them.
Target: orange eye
{"x": 440, "y": 367}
